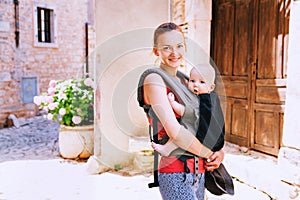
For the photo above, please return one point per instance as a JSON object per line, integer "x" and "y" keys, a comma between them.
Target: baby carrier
{"x": 184, "y": 96}
{"x": 190, "y": 119}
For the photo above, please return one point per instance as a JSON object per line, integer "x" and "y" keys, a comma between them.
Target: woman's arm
{"x": 155, "y": 95}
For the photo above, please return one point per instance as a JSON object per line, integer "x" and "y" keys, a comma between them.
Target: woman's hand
{"x": 214, "y": 161}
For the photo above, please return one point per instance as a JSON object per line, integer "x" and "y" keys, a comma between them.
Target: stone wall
{"x": 65, "y": 60}
{"x": 8, "y": 88}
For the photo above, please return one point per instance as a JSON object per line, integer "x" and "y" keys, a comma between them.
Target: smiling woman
{"x": 170, "y": 52}
{"x": 175, "y": 171}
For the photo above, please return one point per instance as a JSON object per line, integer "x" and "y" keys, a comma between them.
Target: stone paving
{"x": 31, "y": 169}
{"x": 35, "y": 139}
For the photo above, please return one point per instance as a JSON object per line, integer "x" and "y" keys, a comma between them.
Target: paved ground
{"x": 31, "y": 169}
{"x": 36, "y": 139}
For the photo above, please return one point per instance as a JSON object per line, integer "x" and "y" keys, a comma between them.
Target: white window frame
{"x": 53, "y": 29}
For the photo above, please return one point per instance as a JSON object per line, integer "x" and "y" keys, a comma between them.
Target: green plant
{"x": 117, "y": 167}
{"x": 70, "y": 102}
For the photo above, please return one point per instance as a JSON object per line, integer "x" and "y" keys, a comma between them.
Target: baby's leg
{"x": 165, "y": 149}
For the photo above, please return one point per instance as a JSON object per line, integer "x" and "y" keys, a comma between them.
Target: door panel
{"x": 267, "y": 40}
{"x": 249, "y": 42}
{"x": 265, "y": 124}
{"x": 239, "y": 116}
{"x": 270, "y": 80}
{"x": 231, "y": 45}
{"x": 270, "y": 91}
{"x": 236, "y": 87}
{"x": 224, "y": 53}
{"x": 241, "y": 38}
{"x": 268, "y": 121}
{"x": 236, "y": 121}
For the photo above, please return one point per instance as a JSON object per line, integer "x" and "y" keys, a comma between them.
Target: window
{"x": 44, "y": 25}
{"x": 44, "y": 22}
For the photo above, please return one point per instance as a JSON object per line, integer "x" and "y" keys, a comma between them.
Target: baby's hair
{"x": 165, "y": 27}
{"x": 206, "y": 71}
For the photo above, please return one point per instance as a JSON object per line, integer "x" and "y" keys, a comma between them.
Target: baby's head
{"x": 202, "y": 78}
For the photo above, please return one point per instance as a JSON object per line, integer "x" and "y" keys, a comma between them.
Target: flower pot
{"x": 76, "y": 142}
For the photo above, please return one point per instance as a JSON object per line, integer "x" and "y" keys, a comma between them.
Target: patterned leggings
{"x": 179, "y": 186}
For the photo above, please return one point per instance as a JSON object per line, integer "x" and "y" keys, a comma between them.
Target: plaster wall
{"x": 291, "y": 127}
{"x": 199, "y": 15}
{"x": 289, "y": 154}
{"x": 124, "y": 32}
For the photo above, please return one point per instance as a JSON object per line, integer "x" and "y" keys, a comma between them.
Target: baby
{"x": 211, "y": 127}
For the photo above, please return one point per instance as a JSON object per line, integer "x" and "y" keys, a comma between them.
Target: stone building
{"x": 40, "y": 40}
{"x": 254, "y": 45}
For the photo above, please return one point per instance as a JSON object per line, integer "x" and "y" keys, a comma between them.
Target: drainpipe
{"x": 86, "y": 48}
{"x": 17, "y": 32}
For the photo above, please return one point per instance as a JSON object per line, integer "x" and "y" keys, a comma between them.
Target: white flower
{"x": 62, "y": 111}
{"x": 76, "y": 119}
{"x": 52, "y": 83}
{"x": 62, "y": 96}
{"x": 50, "y": 116}
{"x": 51, "y": 91}
{"x": 52, "y": 106}
{"x": 44, "y": 99}
{"x": 49, "y": 99}
{"x": 37, "y": 100}
{"x": 88, "y": 82}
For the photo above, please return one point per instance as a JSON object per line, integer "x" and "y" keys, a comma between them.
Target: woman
{"x": 174, "y": 182}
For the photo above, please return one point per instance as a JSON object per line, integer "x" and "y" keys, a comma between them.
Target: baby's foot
{"x": 160, "y": 149}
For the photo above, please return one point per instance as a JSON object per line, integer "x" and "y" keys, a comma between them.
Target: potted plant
{"x": 71, "y": 103}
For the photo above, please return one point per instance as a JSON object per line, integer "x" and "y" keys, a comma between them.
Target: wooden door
{"x": 249, "y": 42}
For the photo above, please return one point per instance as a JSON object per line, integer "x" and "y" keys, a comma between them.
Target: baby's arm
{"x": 165, "y": 149}
{"x": 177, "y": 107}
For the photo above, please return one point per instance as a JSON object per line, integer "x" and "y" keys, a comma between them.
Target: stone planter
{"x": 76, "y": 142}
{"x": 143, "y": 160}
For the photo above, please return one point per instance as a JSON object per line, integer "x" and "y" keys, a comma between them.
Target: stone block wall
{"x": 65, "y": 60}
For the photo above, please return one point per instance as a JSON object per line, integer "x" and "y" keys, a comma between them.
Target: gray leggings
{"x": 179, "y": 186}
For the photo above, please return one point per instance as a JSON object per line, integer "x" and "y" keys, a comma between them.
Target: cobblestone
{"x": 36, "y": 139}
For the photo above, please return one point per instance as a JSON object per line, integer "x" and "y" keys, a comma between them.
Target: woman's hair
{"x": 165, "y": 27}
